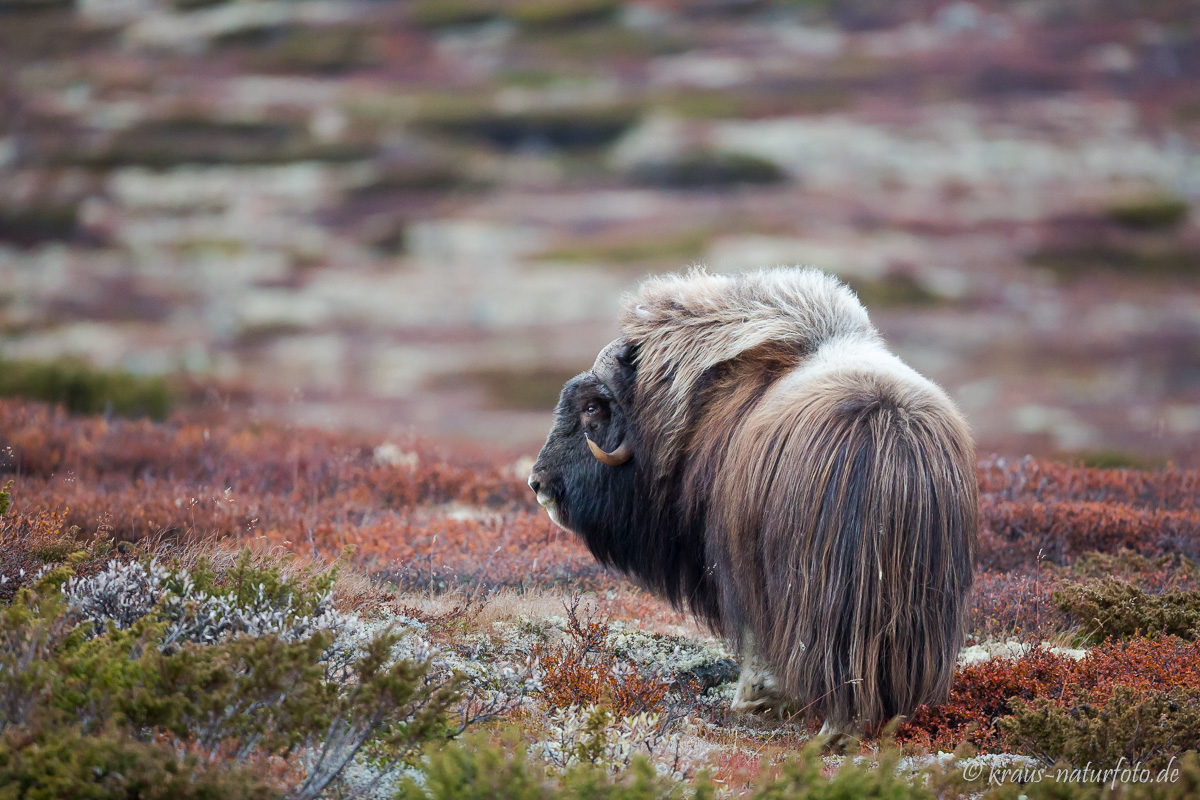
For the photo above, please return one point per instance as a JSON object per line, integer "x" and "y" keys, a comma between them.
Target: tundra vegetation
{"x": 251, "y": 188}
{"x": 280, "y": 194}
{"x": 203, "y": 608}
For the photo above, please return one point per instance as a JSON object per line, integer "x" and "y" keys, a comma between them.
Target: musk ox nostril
{"x": 535, "y": 483}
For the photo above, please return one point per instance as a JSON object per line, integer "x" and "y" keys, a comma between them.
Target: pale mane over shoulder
{"x": 685, "y": 324}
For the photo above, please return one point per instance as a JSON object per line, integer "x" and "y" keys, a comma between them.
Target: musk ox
{"x": 750, "y": 449}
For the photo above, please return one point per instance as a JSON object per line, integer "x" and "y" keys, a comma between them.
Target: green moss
{"x": 598, "y": 45}
{"x": 555, "y": 14}
{"x": 1118, "y": 608}
{"x": 893, "y": 290}
{"x": 537, "y": 15}
{"x": 530, "y": 78}
{"x": 709, "y": 169}
{"x": 755, "y": 103}
{"x": 200, "y": 140}
{"x": 705, "y": 104}
{"x": 677, "y": 249}
{"x": 448, "y": 13}
{"x": 1129, "y": 565}
{"x": 580, "y": 127}
{"x": 1144, "y": 260}
{"x": 535, "y": 389}
{"x": 84, "y": 390}
{"x": 1150, "y": 213}
{"x": 260, "y": 333}
{"x": 1117, "y": 459}
{"x": 1149, "y": 727}
{"x": 326, "y": 50}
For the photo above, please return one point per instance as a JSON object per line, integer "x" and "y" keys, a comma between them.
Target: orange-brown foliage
{"x": 440, "y": 518}
{"x": 982, "y": 692}
{"x": 316, "y": 492}
{"x": 582, "y": 670}
{"x": 311, "y": 491}
{"x": 1010, "y": 604}
{"x": 27, "y": 537}
{"x": 1031, "y": 509}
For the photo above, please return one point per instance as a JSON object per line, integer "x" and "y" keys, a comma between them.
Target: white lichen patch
{"x": 392, "y": 455}
{"x": 126, "y": 592}
{"x": 1012, "y": 648}
{"x": 670, "y": 654}
{"x": 591, "y": 734}
{"x": 363, "y": 779}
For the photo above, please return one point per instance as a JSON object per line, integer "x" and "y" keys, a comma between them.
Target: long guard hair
{"x": 798, "y": 483}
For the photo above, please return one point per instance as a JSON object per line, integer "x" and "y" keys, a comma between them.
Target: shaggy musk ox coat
{"x": 750, "y": 449}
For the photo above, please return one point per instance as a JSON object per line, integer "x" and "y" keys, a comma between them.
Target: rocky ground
{"x": 421, "y": 215}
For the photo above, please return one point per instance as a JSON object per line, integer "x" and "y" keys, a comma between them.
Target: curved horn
{"x": 605, "y": 367}
{"x": 616, "y": 458}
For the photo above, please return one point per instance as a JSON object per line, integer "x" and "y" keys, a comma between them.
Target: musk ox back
{"x": 750, "y": 449}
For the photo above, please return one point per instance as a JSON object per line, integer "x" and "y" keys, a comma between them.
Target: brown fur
{"x": 833, "y": 487}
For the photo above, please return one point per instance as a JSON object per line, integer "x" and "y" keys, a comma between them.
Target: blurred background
{"x": 420, "y": 216}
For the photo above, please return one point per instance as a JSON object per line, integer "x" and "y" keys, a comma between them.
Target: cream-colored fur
{"x": 688, "y": 323}
{"x": 757, "y": 687}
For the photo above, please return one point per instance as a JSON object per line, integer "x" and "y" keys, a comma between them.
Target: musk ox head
{"x": 749, "y": 448}
{"x": 584, "y": 475}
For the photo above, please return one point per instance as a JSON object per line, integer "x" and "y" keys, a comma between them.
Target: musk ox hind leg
{"x": 758, "y": 689}
{"x": 837, "y": 739}
{"x": 759, "y": 692}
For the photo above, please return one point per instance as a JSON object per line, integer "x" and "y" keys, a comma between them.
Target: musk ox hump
{"x": 683, "y": 325}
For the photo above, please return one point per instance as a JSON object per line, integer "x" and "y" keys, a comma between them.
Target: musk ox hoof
{"x": 757, "y": 691}
{"x": 838, "y": 740}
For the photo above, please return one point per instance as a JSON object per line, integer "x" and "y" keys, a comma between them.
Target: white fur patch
{"x": 551, "y": 510}
{"x": 686, "y": 323}
{"x": 867, "y": 355}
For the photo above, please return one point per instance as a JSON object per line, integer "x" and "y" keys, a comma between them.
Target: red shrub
{"x": 980, "y": 695}
{"x": 1015, "y": 533}
{"x": 982, "y": 692}
{"x": 581, "y": 671}
{"x": 1005, "y": 605}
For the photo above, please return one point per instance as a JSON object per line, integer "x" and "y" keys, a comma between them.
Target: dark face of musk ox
{"x": 580, "y": 491}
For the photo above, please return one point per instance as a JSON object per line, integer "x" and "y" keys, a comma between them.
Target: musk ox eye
{"x": 591, "y": 409}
